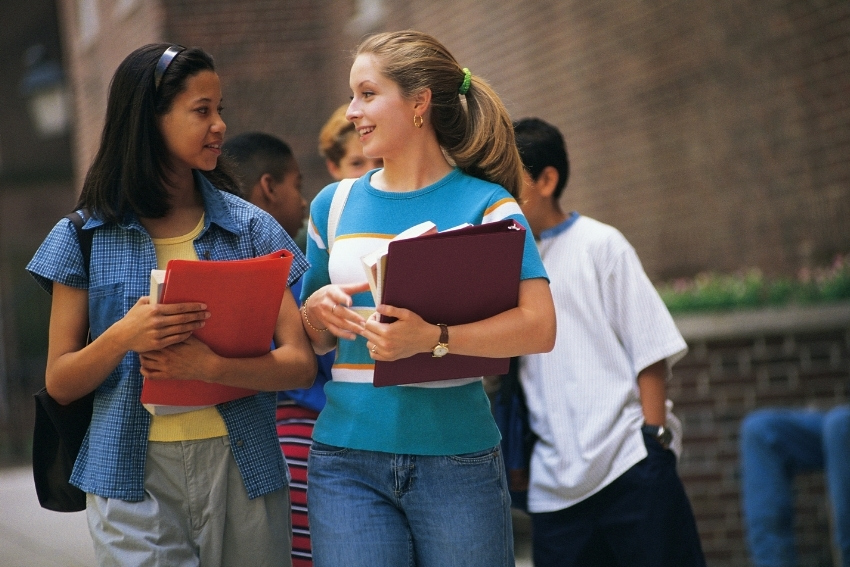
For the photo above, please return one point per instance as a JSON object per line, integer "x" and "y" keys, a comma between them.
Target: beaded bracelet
{"x": 307, "y": 319}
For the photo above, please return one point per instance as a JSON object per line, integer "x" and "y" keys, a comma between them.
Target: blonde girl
{"x": 412, "y": 475}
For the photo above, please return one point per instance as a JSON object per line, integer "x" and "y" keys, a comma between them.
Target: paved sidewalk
{"x": 31, "y": 536}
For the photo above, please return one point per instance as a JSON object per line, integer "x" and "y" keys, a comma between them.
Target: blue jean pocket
{"x": 320, "y": 448}
{"x": 476, "y": 457}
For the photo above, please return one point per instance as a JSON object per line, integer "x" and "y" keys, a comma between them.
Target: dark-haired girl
{"x": 206, "y": 487}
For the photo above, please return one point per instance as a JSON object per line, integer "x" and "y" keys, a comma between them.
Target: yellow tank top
{"x": 199, "y": 424}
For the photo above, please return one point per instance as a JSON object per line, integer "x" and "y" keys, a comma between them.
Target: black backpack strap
{"x": 84, "y": 237}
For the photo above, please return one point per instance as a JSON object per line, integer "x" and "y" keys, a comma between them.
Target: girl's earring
{"x": 418, "y": 120}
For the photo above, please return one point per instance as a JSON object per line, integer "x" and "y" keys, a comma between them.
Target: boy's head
{"x": 268, "y": 176}
{"x": 541, "y": 145}
{"x": 340, "y": 145}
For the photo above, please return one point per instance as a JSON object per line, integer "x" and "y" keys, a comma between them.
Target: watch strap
{"x": 660, "y": 433}
{"x": 444, "y": 333}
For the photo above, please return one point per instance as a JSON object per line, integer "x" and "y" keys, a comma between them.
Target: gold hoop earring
{"x": 418, "y": 121}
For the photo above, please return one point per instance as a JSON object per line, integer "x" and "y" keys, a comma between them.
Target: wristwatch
{"x": 442, "y": 347}
{"x": 660, "y": 432}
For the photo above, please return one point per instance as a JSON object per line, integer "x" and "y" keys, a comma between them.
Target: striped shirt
{"x": 437, "y": 418}
{"x": 582, "y": 396}
{"x": 111, "y": 462}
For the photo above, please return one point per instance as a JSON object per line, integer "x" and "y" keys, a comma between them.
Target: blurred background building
{"x": 36, "y": 187}
{"x": 714, "y": 134}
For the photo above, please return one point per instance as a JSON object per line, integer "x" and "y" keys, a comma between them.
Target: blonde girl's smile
{"x": 381, "y": 115}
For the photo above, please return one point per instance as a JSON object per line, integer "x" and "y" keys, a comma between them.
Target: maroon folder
{"x": 453, "y": 277}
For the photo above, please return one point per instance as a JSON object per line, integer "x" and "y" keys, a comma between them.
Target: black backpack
{"x": 59, "y": 430}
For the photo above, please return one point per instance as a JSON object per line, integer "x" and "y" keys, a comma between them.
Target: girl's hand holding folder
{"x": 409, "y": 334}
{"x": 187, "y": 360}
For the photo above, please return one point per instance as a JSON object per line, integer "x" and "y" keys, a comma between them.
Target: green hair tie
{"x": 467, "y": 80}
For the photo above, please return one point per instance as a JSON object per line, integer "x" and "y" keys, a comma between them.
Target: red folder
{"x": 243, "y": 298}
{"x": 454, "y": 277}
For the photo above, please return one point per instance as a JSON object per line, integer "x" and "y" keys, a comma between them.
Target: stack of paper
{"x": 375, "y": 262}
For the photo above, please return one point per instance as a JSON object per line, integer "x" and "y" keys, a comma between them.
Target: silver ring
{"x": 332, "y": 308}
{"x": 374, "y": 349}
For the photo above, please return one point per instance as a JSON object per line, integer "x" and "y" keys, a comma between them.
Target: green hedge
{"x": 747, "y": 290}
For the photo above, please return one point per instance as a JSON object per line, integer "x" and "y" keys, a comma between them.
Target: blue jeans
{"x": 372, "y": 509}
{"x": 776, "y": 444}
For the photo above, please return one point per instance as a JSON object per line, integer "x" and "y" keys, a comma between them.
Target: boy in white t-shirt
{"x": 603, "y": 483}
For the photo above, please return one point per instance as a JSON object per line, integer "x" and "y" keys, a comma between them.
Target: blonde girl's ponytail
{"x": 489, "y": 149}
{"x": 471, "y": 123}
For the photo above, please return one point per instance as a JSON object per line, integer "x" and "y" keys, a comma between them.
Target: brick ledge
{"x": 762, "y": 321}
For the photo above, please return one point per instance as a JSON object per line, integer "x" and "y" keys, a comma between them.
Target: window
{"x": 88, "y": 21}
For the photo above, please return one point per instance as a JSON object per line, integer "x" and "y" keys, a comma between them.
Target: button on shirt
{"x": 111, "y": 462}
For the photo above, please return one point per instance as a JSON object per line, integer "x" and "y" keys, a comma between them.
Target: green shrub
{"x": 750, "y": 289}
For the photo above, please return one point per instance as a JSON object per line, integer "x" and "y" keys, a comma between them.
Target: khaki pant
{"x": 195, "y": 512}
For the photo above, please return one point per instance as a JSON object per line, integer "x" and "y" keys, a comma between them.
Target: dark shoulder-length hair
{"x": 128, "y": 171}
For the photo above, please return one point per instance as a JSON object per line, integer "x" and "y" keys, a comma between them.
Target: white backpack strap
{"x": 337, "y": 204}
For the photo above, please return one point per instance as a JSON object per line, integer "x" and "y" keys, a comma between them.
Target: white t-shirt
{"x": 582, "y": 396}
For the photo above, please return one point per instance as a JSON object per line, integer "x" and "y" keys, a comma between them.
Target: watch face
{"x": 660, "y": 433}
{"x": 665, "y": 436}
{"x": 440, "y": 350}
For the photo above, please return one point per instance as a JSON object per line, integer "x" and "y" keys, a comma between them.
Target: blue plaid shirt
{"x": 111, "y": 462}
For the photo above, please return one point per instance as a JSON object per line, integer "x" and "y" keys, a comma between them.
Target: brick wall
{"x": 714, "y": 135}
{"x": 283, "y": 65}
{"x": 744, "y": 361}
{"x": 277, "y": 66}
{"x": 117, "y": 27}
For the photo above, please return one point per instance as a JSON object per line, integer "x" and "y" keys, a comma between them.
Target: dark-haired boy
{"x": 269, "y": 177}
{"x": 603, "y": 489}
